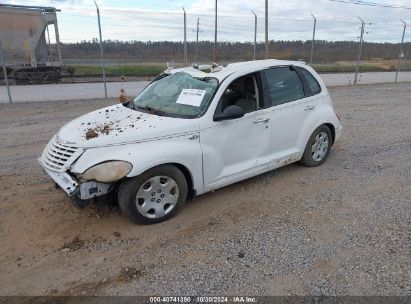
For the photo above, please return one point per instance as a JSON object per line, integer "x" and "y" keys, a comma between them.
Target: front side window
{"x": 177, "y": 95}
{"x": 242, "y": 92}
{"x": 282, "y": 85}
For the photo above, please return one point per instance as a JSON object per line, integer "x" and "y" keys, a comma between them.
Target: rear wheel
{"x": 318, "y": 147}
{"x": 153, "y": 196}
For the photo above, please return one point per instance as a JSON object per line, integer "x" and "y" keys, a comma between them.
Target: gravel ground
{"x": 339, "y": 229}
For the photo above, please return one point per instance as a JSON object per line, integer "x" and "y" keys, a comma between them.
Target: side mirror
{"x": 231, "y": 112}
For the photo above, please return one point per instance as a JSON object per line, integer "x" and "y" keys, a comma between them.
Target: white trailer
{"x": 28, "y": 55}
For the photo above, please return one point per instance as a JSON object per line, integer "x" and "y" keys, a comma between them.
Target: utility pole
{"x": 101, "y": 50}
{"x": 313, "y": 41}
{"x": 255, "y": 34}
{"x": 357, "y": 67}
{"x": 215, "y": 33}
{"x": 401, "y": 54}
{"x": 185, "y": 36}
{"x": 266, "y": 29}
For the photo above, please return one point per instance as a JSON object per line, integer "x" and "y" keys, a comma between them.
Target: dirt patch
{"x": 105, "y": 129}
{"x": 96, "y": 131}
{"x": 129, "y": 274}
{"x": 102, "y": 207}
{"x": 74, "y": 245}
{"x": 91, "y": 133}
{"x": 84, "y": 289}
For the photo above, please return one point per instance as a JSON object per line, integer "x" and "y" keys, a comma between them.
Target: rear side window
{"x": 312, "y": 84}
{"x": 282, "y": 85}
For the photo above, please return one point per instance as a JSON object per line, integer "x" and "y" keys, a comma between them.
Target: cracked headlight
{"x": 108, "y": 172}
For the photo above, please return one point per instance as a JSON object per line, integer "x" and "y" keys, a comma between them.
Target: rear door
{"x": 285, "y": 90}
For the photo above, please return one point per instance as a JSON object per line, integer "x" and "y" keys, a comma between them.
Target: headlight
{"x": 107, "y": 172}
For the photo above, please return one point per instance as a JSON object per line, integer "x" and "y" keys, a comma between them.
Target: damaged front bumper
{"x": 66, "y": 182}
{"x": 73, "y": 188}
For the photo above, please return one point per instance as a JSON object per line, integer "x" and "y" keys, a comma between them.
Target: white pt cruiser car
{"x": 191, "y": 131}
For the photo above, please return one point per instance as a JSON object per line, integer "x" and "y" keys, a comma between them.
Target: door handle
{"x": 262, "y": 120}
{"x": 193, "y": 137}
{"x": 309, "y": 107}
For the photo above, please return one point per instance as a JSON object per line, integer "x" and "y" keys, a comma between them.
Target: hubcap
{"x": 319, "y": 147}
{"x": 157, "y": 196}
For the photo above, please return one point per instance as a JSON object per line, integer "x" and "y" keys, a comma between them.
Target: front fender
{"x": 183, "y": 150}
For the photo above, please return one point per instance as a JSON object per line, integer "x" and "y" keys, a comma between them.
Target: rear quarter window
{"x": 314, "y": 87}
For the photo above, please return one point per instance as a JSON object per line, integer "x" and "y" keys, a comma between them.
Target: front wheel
{"x": 154, "y": 196}
{"x": 318, "y": 147}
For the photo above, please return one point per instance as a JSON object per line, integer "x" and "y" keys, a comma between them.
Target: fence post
{"x": 255, "y": 35}
{"x": 103, "y": 68}
{"x": 215, "y": 33}
{"x": 313, "y": 41}
{"x": 197, "y": 33}
{"x": 401, "y": 51}
{"x": 6, "y": 78}
{"x": 357, "y": 67}
{"x": 185, "y": 36}
{"x": 266, "y": 29}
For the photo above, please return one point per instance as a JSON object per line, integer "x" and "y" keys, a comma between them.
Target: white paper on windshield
{"x": 192, "y": 97}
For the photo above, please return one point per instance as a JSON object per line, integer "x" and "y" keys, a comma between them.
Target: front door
{"x": 236, "y": 149}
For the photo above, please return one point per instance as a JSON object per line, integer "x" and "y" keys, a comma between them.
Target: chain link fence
{"x": 136, "y": 45}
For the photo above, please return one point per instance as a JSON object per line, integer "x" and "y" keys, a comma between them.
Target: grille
{"x": 58, "y": 157}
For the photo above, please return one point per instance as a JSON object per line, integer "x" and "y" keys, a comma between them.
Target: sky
{"x": 158, "y": 20}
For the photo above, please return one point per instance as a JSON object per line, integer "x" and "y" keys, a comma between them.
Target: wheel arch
{"x": 311, "y": 125}
{"x": 189, "y": 178}
{"x": 192, "y": 191}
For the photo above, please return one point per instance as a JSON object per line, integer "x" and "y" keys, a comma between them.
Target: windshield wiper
{"x": 148, "y": 109}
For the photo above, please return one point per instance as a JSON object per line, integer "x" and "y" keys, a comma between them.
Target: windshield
{"x": 179, "y": 95}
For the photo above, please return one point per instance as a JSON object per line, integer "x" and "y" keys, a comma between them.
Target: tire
{"x": 316, "y": 155}
{"x": 154, "y": 196}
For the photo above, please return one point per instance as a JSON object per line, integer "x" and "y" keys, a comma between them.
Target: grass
{"x": 325, "y": 68}
{"x": 366, "y": 66}
{"x": 155, "y": 69}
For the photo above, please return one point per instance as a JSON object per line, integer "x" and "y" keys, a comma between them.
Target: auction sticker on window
{"x": 191, "y": 97}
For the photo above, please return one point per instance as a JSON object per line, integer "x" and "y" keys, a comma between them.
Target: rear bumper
{"x": 67, "y": 183}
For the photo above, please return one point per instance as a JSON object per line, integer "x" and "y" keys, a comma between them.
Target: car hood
{"x": 118, "y": 124}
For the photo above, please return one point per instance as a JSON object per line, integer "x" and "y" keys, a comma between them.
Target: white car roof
{"x": 238, "y": 67}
